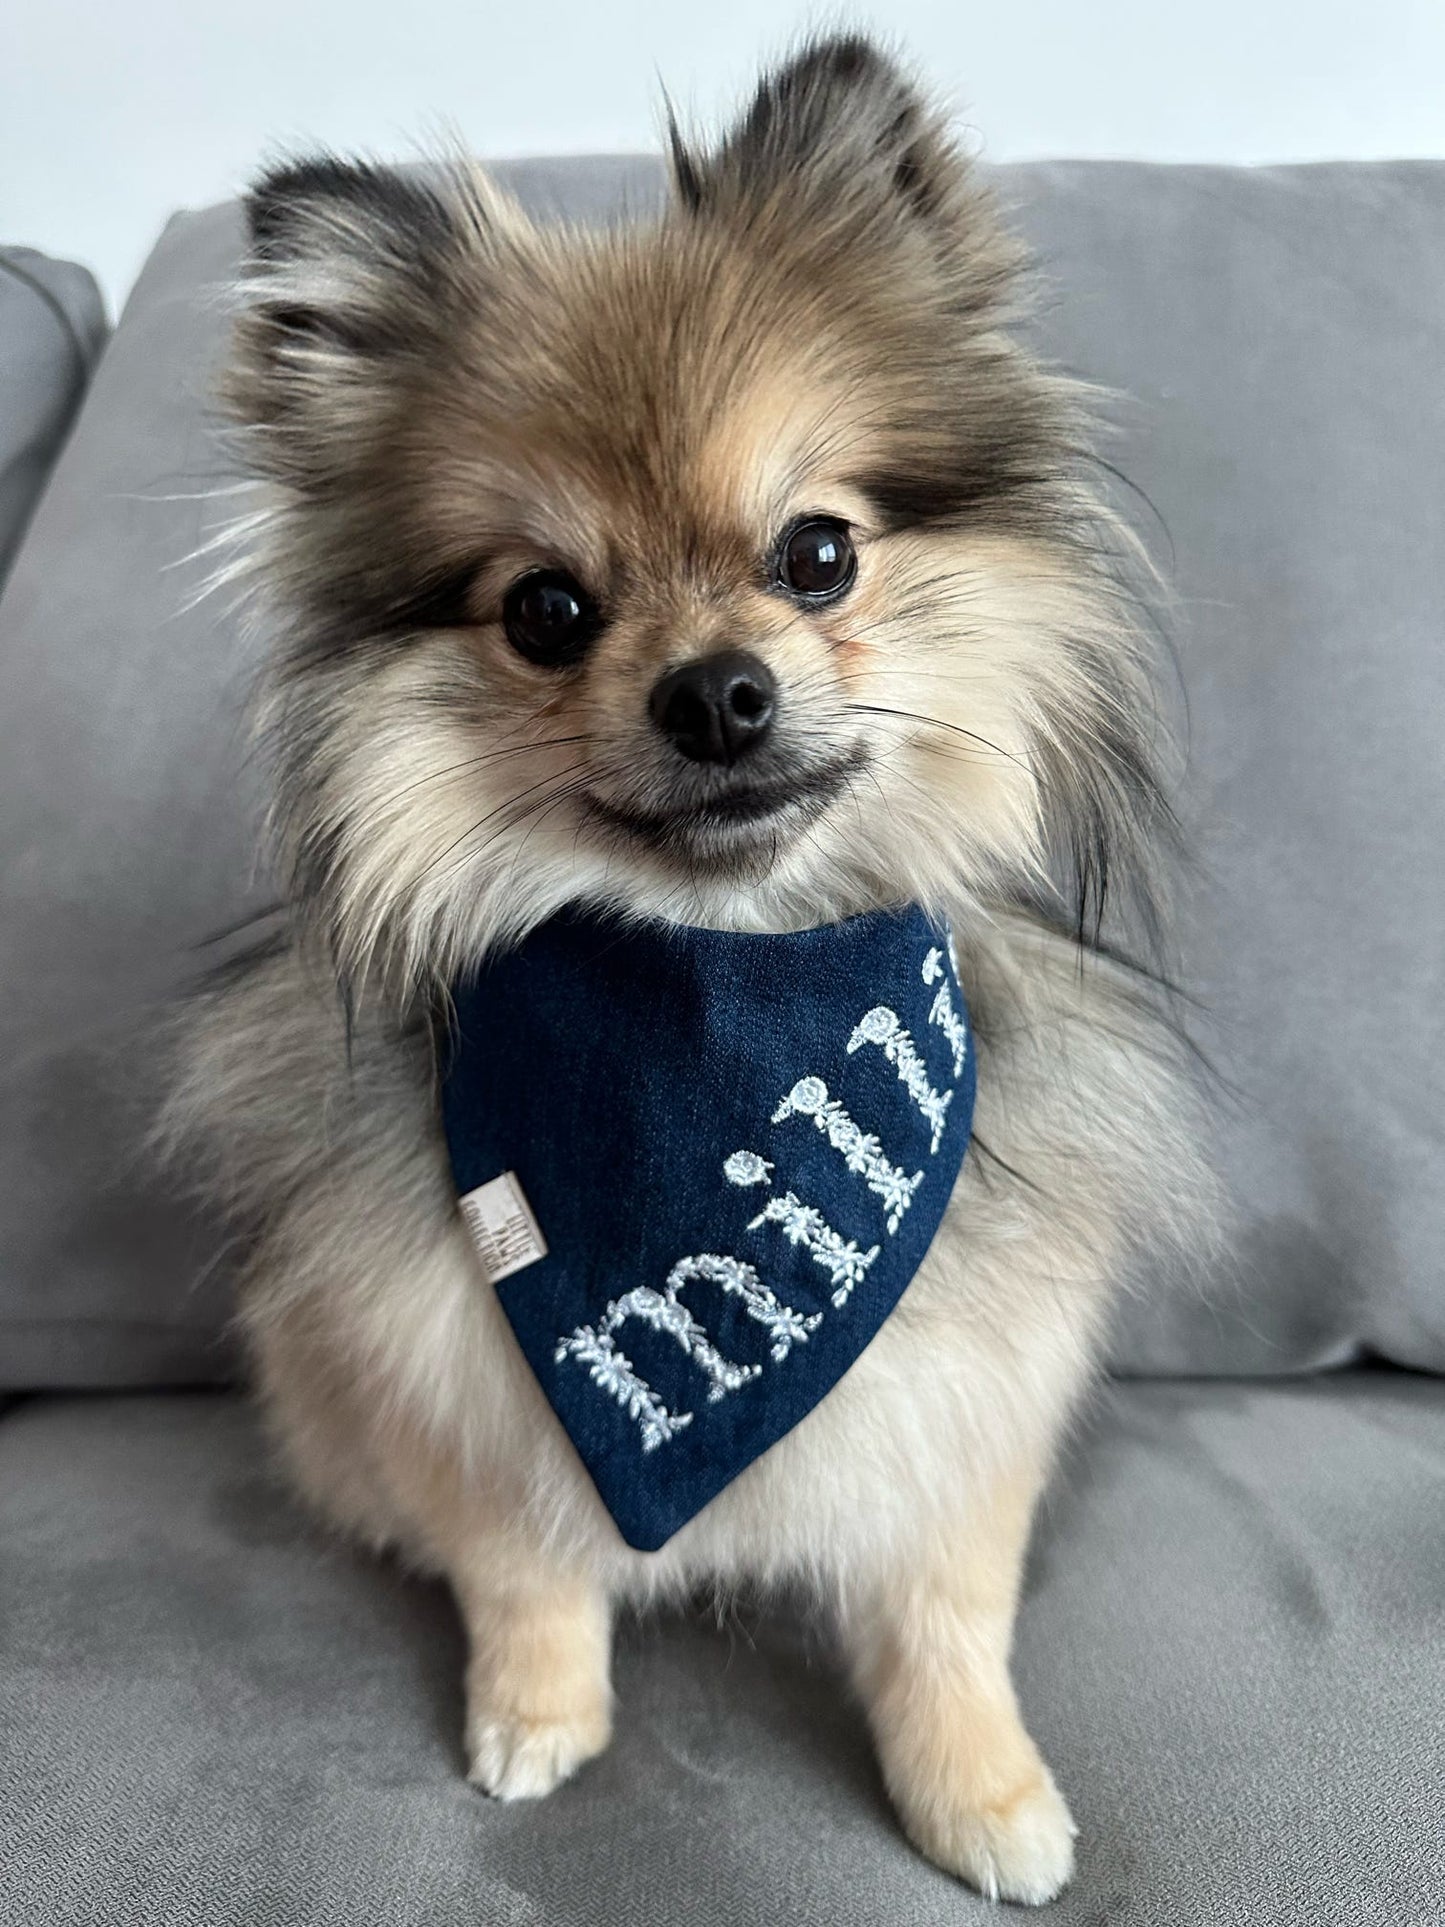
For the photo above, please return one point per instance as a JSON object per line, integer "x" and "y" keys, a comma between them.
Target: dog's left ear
{"x": 839, "y": 137}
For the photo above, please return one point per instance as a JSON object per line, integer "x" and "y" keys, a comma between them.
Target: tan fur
{"x": 817, "y": 325}
{"x": 931, "y": 1649}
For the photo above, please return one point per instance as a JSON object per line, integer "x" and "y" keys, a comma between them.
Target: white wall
{"x": 113, "y": 112}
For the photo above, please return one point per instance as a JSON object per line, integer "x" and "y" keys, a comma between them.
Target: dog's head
{"x": 732, "y": 566}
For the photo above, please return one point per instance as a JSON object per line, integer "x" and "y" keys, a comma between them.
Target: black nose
{"x": 715, "y": 708}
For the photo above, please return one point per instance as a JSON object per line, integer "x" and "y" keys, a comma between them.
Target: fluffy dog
{"x": 514, "y": 479}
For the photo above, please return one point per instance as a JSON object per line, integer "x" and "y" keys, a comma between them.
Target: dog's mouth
{"x": 733, "y": 821}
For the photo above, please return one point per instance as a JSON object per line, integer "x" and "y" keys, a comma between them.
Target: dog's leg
{"x": 539, "y": 1697}
{"x": 930, "y": 1650}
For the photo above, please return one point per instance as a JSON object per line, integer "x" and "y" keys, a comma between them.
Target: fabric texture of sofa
{"x": 52, "y": 329}
{"x": 1232, "y": 1645}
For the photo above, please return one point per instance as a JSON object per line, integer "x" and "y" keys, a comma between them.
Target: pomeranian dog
{"x": 515, "y": 477}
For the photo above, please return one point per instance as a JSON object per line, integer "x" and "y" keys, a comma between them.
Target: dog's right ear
{"x": 352, "y": 270}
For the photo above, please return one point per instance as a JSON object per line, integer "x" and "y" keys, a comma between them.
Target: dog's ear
{"x": 839, "y": 136}
{"x": 352, "y": 270}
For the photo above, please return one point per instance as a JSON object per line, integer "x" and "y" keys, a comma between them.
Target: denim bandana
{"x": 701, "y": 1169}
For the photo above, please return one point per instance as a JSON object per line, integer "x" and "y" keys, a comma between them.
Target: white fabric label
{"x": 503, "y": 1229}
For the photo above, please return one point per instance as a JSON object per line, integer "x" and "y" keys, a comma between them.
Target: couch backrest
{"x": 52, "y": 328}
{"x": 1278, "y": 334}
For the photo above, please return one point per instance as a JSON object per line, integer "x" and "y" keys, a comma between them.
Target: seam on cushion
{"x": 49, "y": 299}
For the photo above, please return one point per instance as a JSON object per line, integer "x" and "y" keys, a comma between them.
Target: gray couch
{"x": 1232, "y": 1645}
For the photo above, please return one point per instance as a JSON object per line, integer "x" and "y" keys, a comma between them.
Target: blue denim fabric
{"x": 737, "y": 1148}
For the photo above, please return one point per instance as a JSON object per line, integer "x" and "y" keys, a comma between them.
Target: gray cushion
{"x": 122, "y": 839}
{"x": 52, "y": 328}
{"x": 1230, "y": 1650}
{"x": 1280, "y": 329}
{"x": 1281, "y": 334}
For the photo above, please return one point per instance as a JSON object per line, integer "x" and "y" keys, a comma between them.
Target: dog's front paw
{"x": 1012, "y": 1847}
{"x": 515, "y": 1758}
{"x": 539, "y": 1702}
{"x": 1018, "y": 1846}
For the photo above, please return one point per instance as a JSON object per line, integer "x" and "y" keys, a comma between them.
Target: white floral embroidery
{"x": 861, "y": 1151}
{"x": 746, "y": 1167}
{"x": 664, "y": 1312}
{"x": 943, "y": 1012}
{"x": 608, "y": 1368}
{"x": 802, "y": 1225}
{"x": 597, "y": 1349}
{"x": 785, "y": 1326}
{"x": 884, "y": 1027}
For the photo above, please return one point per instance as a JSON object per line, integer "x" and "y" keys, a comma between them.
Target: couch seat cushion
{"x": 1231, "y": 1650}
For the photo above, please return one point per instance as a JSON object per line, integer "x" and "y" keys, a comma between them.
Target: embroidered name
{"x": 801, "y": 1224}
{"x": 884, "y": 1027}
{"x": 612, "y": 1371}
{"x": 609, "y": 1368}
{"x": 943, "y": 1012}
{"x": 746, "y": 1167}
{"x": 861, "y": 1151}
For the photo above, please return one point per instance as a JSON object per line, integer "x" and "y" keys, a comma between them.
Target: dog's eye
{"x": 815, "y": 559}
{"x": 549, "y": 618}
